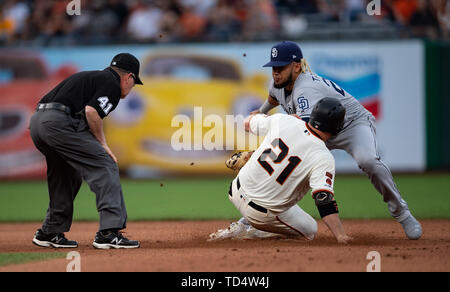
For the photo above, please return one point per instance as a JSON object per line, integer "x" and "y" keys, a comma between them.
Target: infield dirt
{"x": 181, "y": 246}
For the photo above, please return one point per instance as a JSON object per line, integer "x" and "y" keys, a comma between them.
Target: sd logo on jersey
{"x": 303, "y": 104}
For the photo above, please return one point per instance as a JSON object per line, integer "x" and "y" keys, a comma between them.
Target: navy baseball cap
{"x": 284, "y": 53}
{"x": 129, "y": 63}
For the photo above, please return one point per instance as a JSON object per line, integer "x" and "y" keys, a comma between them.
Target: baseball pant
{"x": 292, "y": 222}
{"x": 359, "y": 140}
{"x": 74, "y": 154}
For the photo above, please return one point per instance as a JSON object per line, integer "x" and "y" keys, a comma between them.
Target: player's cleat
{"x": 113, "y": 239}
{"x": 57, "y": 240}
{"x": 235, "y": 230}
{"x": 412, "y": 227}
{"x": 239, "y": 230}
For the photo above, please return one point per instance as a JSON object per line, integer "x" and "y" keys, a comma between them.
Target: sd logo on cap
{"x": 284, "y": 53}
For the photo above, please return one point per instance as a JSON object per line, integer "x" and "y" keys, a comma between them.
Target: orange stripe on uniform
{"x": 298, "y": 231}
{"x": 312, "y": 131}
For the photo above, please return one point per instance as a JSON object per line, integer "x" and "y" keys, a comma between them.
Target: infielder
{"x": 297, "y": 90}
{"x": 291, "y": 160}
{"x": 67, "y": 128}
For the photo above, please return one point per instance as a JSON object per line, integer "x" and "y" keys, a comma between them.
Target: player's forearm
{"x": 95, "y": 124}
{"x": 334, "y": 224}
{"x": 269, "y": 104}
{"x": 247, "y": 123}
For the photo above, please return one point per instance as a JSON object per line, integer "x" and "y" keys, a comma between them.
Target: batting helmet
{"x": 328, "y": 115}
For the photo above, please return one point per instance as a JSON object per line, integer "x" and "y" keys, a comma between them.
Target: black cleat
{"x": 57, "y": 240}
{"x": 113, "y": 239}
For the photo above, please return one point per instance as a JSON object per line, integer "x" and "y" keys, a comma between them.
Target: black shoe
{"x": 113, "y": 239}
{"x": 57, "y": 240}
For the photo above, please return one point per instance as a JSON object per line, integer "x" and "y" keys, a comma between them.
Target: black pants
{"x": 74, "y": 154}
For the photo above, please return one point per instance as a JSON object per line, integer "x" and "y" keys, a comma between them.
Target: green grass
{"x": 203, "y": 199}
{"x": 21, "y": 258}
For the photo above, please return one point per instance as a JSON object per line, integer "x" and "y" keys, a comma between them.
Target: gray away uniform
{"x": 358, "y": 138}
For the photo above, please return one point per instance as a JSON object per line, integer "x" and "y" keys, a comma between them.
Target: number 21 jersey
{"x": 290, "y": 161}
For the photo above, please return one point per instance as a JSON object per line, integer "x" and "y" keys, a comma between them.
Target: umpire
{"x": 67, "y": 128}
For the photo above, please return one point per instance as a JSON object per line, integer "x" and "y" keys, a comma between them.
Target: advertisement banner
{"x": 388, "y": 79}
{"x": 195, "y": 93}
{"x": 24, "y": 78}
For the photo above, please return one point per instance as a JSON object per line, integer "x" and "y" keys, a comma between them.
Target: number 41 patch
{"x": 105, "y": 105}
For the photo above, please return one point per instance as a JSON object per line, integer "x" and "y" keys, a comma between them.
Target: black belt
{"x": 252, "y": 204}
{"x": 53, "y": 105}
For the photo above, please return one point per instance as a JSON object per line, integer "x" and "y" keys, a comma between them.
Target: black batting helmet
{"x": 328, "y": 115}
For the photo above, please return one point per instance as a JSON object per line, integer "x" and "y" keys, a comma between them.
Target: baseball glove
{"x": 238, "y": 160}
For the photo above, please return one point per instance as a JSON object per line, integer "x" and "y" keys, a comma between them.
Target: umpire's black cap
{"x": 328, "y": 115}
{"x": 129, "y": 63}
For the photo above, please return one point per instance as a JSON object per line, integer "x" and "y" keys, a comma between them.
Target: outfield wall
{"x": 438, "y": 105}
{"x": 386, "y": 77}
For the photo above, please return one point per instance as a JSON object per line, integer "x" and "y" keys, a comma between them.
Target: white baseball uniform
{"x": 290, "y": 161}
{"x": 358, "y": 138}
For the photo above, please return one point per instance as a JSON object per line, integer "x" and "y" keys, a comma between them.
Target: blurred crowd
{"x": 47, "y": 23}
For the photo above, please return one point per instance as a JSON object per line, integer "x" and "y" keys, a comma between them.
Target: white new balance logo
{"x": 116, "y": 240}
